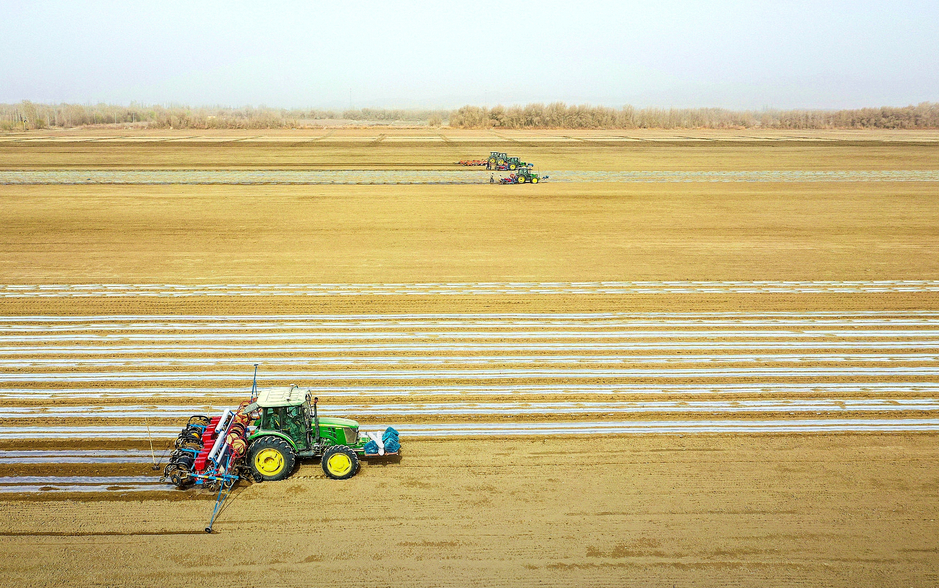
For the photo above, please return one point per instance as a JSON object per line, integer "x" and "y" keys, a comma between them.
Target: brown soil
{"x": 853, "y": 510}
{"x": 380, "y": 234}
{"x": 659, "y": 510}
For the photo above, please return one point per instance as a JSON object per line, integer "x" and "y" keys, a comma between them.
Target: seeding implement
{"x": 473, "y": 162}
{"x": 263, "y": 440}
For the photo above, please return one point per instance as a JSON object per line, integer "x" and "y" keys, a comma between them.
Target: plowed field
{"x": 704, "y": 359}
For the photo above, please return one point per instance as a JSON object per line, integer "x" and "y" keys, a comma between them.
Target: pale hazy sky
{"x": 783, "y": 54}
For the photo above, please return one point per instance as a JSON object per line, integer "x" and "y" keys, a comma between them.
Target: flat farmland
{"x": 685, "y": 358}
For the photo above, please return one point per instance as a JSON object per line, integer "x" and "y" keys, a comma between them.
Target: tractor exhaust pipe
{"x": 254, "y": 384}
{"x": 316, "y": 421}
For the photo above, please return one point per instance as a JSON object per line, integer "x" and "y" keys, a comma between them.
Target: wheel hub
{"x": 339, "y": 464}
{"x": 269, "y": 461}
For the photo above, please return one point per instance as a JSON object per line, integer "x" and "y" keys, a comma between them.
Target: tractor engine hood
{"x": 337, "y": 422}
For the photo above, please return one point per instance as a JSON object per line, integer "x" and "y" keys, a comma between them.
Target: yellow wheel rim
{"x": 269, "y": 462}
{"x": 521, "y": 180}
{"x": 339, "y": 464}
{"x": 534, "y": 180}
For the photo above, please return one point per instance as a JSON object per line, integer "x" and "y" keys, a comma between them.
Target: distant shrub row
{"x": 561, "y": 116}
{"x": 29, "y": 115}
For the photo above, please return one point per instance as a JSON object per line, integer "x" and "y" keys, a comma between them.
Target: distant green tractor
{"x": 526, "y": 176}
{"x": 514, "y": 163}
{"x": 289, "y": 428}
{"x": 496, "y": 159}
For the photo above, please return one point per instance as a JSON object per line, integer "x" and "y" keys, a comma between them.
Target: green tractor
{"x": 290, "y": 428}
{"x": 514, "y": 163}
{"x": 502, "y": 162}
{"x": 496, "y": 159}
{"x": 526, "y": 176}
{"x": 263, "y": 439}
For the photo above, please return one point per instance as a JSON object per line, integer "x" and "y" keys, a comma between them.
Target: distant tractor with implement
{"x": 527, "y": 176}
{"x": 512, "y": 164}
{"x": 524, "y": 175}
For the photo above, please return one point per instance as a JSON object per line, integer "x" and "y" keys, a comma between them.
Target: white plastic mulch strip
{"x": 478, "y": 375}
{"x": 408, "y": 320}
{"x": 41, "y": 484}
{"x": 529, "y": 428}
{"x": 33, "y": 456}
{"x": 460, "y": 176}
{"x": 508, "y": 408}
{"x": 410, "y": 361}
{"x": 466, "y": 288}
{"x": 767, "y": 389}
{"x": 905, "y": 341}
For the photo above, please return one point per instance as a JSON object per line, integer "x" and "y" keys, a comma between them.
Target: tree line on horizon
{"x": 559, "y": 115}
{"x": 27, "y": 115}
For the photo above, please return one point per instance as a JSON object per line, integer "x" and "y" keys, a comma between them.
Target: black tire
{"x": 271, "y": 459}
{"x": 340, "y": 462}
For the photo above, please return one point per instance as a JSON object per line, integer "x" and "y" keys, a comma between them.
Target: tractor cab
{"x": 287, "y": 412}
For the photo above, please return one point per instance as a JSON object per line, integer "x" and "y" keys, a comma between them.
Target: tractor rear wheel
{"x": 521, "y": 179}
{"x": 512, "y": 166}
{"x": 340, "y": 462}
{"x": 271, "y": 459}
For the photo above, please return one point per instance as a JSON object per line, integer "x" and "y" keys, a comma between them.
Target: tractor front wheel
{"x": 340, "y": 462}
{"x": 534, "y": 180}
{"x": 271, "y": 459}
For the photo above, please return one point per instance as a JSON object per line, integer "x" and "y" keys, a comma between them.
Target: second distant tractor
{"x": 524, "y": 176}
